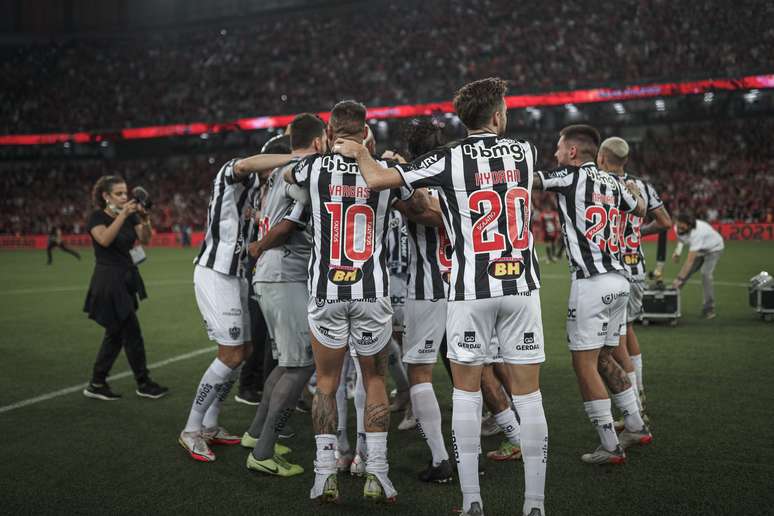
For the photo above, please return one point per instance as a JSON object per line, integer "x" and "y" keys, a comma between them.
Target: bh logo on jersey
{"x": 344, "y": 276}
{"x": 506, "y": 269}
{"x": 631, "y": 259}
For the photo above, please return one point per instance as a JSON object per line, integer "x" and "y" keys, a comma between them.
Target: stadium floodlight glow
{"x": 204, "y": 136}
{"x": 619, "y": 108}
{"x": 660, "y": 105}
{"x": 535, "y": 113}
{"x": 709, "y": 97}
{"x": 752, "y": 95}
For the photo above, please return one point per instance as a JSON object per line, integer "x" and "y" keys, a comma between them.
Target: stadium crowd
{"x": 308, "y": 61}
{"x": 719, "y": 171}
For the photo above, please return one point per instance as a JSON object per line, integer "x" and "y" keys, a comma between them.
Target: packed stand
{"x": 287, "y": 64}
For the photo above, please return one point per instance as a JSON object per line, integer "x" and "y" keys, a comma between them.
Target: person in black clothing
{"x": 55, "y": 240}
{"x": 115, "y": 286}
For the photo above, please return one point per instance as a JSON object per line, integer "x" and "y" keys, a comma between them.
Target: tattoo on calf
{"x": 377, "y": 417}
{"x": 324, "y": 415}
{"x": 381, "y": 361}
{"x": 612, "y": 373}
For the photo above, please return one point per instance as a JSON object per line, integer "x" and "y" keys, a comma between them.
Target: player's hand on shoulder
{"x": 632, "y": 186}
{"x": 393, "y": 156}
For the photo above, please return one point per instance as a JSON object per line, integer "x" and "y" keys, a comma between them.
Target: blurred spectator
{"x": 721, "y": 171}
{"x": 403, "y": 52}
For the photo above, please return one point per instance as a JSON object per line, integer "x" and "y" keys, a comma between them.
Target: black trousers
{"x": 127, "y": 335}
{"x": 61, "y": 246}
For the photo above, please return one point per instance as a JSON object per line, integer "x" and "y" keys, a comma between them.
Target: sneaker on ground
{"x": 489, "y": 427}
{"x": 709, "y": 314}
{"x": 379, "y": 489}
{"x": 400, "y": 401}
{"x": 220, "y": 435}
{"x": 196, "y": 446}
{"x": 603, "y": 456}
{"x": 325, "y": 489}
{"x": 440, "y": 474}
{"x": 506, "y": 451}
{"x": 275, "y": 465}
{"x": 152, "y": 390}
{"x": 638, "y": 438}
{"x": 409, "y": 421}
{"x": 344, "y": 461}
{"x": 100, "y": 392}
{"x": 251, "y": 398}
{"x": 358, "y": 465}
{"x": 534, "y": 512}
{"x": 620, "y": 426}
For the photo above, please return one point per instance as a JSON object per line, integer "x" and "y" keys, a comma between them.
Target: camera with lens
{"x": 142, "y": 197}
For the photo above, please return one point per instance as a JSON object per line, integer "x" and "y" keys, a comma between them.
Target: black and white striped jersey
{"x": 397, "y": 244}
{"x": 224, "y": 246}
{"x": 349, "y": 227}
{"x": 430, "y": 253}
{"x": 485, "y": 182}
{"x": 592, "y": 207}
{"x": 632, "y": 252}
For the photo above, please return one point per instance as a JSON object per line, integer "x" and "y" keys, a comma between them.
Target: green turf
{"x": 710, "y": 392}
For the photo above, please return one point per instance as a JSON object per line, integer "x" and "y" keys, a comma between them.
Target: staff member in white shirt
{"x": 705, "y": 245}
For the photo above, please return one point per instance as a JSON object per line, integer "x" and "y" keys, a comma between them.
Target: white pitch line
{"x": 125, "y": 374}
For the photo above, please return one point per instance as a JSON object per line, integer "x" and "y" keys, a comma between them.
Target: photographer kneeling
{"x": 116, "y": 284}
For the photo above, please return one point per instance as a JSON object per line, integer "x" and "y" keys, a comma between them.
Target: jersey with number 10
{"x": 349, "y": 226}
{"x": 592, "y": 207}
{"x": 485, "y": 182}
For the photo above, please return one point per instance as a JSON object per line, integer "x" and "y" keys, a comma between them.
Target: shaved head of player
{"x": 591, "y": 206}
{"x": 485, "y": 181}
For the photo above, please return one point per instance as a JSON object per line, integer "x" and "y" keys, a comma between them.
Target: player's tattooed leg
{"x": 324, "y": 415}
{"x": 612, "y": 373}
{"x": 377, "y": 417}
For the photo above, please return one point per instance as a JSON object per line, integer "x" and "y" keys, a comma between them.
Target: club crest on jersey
{"x": 234, "y": 332}
{"x": 344, "y": 276}
{"x": 503, "y": 148}
{"x": 506, "y": 269}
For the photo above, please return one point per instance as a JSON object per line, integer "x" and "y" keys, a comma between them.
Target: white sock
{"x": 601, "y": 417}
{"x": 325, "y": 462}
{"x": 428, "y": 414}
{"x": 466, "y": 435}
{"x": 507, "y": 421}
{"x": 534, "y": 448}
{"x": 360, "y": 400}
{"x": 341, "y": 409}
{"x": 206, "y": 394}
{"x": 211, "y": 416}
{"x": 376, "y": 463}
{"x": 637, "y": 360}
{"x": 626, "y": 402}
{"x": 633, "y": 380}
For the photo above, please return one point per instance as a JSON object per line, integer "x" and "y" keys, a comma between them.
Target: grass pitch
{"x": 710, "y": 395}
